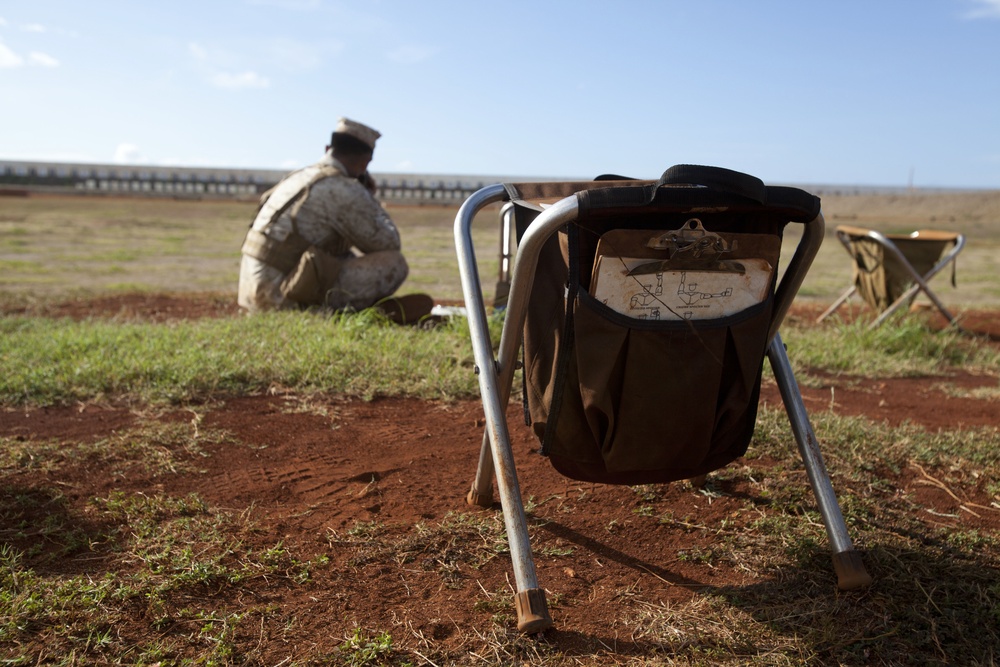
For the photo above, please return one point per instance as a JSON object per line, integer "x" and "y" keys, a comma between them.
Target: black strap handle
{"x": 613, "y": 177}
{"x": 703, "y": 182}
{"x": 715, "y": 178}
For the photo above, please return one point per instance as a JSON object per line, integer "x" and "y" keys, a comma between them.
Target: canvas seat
{"x": 645, "y": 310}
{"x": 889, "y": 270}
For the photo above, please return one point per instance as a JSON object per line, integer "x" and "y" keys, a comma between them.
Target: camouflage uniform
{"x": 335, "y": 213}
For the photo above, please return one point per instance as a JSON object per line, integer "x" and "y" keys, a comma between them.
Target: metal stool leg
{"x": 838, "y": 303}
{"x": 495, "y": 376}
{"x": 481, "y": 493}
{"x": 851, "y": 573}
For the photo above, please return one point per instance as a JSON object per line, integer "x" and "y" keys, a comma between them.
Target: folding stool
{"x": 693, "y": 217}
{"x": 890, "y": 269}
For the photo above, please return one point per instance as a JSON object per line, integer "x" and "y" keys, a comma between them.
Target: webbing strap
{"x": 565, "y": 342}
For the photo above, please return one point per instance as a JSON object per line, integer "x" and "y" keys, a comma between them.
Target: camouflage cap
{"x": 358, "y": 131}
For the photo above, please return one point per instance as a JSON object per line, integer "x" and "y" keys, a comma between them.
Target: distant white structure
{"x": 208, "y": 182}
{"x": 202, "y": 182}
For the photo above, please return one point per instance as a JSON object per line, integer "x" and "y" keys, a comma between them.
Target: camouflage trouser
{"x": 367, "y": 279}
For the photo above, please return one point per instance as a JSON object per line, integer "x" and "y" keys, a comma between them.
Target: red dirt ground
{"x": 309, "y": 476}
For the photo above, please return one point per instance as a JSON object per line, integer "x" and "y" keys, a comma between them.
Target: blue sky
{"x": 872, "y": 92}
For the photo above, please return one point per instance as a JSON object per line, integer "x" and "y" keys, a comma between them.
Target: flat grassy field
{"x": 975, "y": 214}
{"x": 53, "y": 246}
{"x": 182, "y": 485}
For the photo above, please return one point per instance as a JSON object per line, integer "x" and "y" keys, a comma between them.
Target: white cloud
{"x": 33, "y": 27}
{"x": 128, "y": 154}
{"x": 217, "y": 64}
{"x": 9, "y": 59}
{"x": 42, "y": 59}
{"x": 985, "y": 9}
{"x": 3, "y": 21}
{"x": 198, "y": 51}
{"x": 239, "y": 81}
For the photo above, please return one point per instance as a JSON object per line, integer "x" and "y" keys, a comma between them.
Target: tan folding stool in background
{"x": 645, "y": 310}
{"x": 890, "y": 269}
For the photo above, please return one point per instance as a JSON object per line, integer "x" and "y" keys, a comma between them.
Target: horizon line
{"x": 490, "y": 178}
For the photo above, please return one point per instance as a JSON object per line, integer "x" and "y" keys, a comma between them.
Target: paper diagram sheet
{"x": 681, "y": 294}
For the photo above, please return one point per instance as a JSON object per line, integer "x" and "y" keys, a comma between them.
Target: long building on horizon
{"x": 221, "y": 182}
{"x": 22, "y": 176}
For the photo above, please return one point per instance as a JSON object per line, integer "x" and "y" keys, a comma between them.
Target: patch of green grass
{"x": 151, "y": 446}
{"x": 116, "y": 255}
{"x": 852, "y": 444}
{"x": 903, "y": 346}
{"x": 8, "y": 266}
{"x": 177, "y": 245}
{"x": 58, "y": 360}
{"x": 362, "y": 649}
{"x": 161, "y": 555}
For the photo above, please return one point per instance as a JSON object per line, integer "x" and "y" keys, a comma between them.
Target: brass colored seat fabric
{"x": 889, "y": 270}
{"x": 880, "y": 277}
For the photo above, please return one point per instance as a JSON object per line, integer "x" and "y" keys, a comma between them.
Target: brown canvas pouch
{"x": 316, "y": 274}
{"x": 881, "y": 279}
{"x": 657, "y": 401}
{"x": 649, "y": 401}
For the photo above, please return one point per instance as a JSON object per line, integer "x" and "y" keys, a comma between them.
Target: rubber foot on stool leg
{"x": 699, "y": 481}
{"x": 851, "y": 572}
{"x": 484, "y": 499}
{"x": 532, "y": 611}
